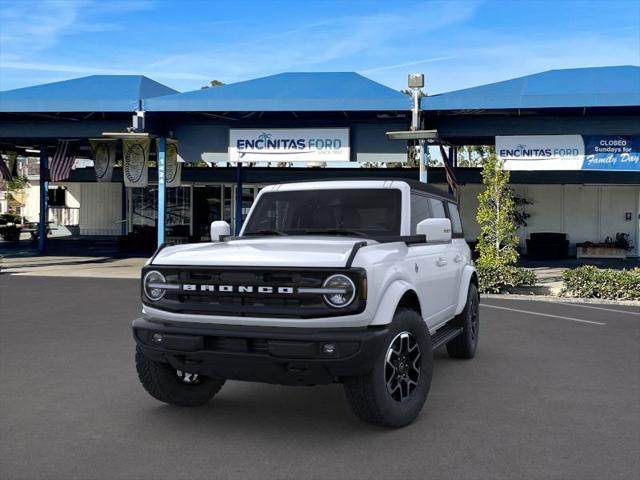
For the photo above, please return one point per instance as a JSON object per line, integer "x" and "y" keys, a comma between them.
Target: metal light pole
{"x": 416, "y": 83}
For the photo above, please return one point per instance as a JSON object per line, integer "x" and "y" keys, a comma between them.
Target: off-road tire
{"x": 465, "y": 344}
{"x": 368, "y": 396}
{"x": 162, "y": 383}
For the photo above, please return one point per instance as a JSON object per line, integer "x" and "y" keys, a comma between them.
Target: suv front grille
{"x": 254, "y": 304}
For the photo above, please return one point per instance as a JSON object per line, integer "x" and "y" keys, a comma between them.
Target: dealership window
{"x": 178, "y": 216}
{"x": 57, "y": 197}
{"x": 144, "y": 209}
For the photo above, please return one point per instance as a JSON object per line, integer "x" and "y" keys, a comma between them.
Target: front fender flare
{"x": 389, "y": 302}
{"x": 468, "y": 272}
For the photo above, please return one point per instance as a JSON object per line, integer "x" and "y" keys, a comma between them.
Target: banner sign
{"x": 541, "y": 152}
{"x": 136, "y": 162}
{"x": 289, "y": 145}
{"x": 569, "y": 152}
{"x": 173, "y": 166}
{"x": 610, "y": 152}
{"x": 104, "y": 157}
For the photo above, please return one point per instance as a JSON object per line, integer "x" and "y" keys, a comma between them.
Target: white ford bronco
{"x": 348, "y": 281}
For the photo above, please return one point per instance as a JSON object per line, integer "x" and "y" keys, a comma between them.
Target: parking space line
{"x": 542, "y": 314}
{"x": 596, "y": 308}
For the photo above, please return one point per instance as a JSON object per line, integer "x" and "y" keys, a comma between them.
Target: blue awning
{"x": 577, "y": 87}
{"x": 288, "y": 92}
{"x": 96, "y": 93}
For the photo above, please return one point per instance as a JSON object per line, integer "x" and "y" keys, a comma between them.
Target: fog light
{"x": 157, "y": 338}
{"x": 329, "y": 348}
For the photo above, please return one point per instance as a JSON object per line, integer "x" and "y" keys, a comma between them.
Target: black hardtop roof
{"x": 413, "y": 184}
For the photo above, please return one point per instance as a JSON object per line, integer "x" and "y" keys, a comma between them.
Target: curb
{"x": 555, "y": 299}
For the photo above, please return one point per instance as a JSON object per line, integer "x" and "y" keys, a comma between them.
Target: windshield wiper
{"x": 338, "y": 231}
{"x": 266, "y": 232}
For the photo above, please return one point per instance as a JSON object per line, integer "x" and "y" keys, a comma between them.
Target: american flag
{"x": 5, "y": 173}
{"x": 448, "y": 169}
{"x": 62, "y": 161}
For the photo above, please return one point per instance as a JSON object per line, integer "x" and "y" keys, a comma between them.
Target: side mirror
{"x": 435, "y": 229}
{"x": 219, "y": 229}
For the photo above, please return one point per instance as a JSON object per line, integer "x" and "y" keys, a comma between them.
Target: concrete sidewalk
{"x": 67, "y": 266}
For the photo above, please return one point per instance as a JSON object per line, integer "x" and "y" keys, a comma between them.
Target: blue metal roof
{"x": 96, "y": 93}
{"x": 299, "y": 92}
{"x": 577, "y": 87}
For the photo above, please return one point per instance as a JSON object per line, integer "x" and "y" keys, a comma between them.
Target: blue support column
{"x": 162, "y": 190}
{"x": 44, "y": 199}
{"x": 238, "y": 198}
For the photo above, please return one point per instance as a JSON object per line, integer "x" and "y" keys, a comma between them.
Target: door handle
{"x": 457, "y": 258}
{"x": 441, "y": 262}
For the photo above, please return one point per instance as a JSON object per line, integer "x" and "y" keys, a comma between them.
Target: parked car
{"x": 351, "y": 281}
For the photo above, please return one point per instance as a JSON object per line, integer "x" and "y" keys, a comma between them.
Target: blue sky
{"x": 184, "y": 44}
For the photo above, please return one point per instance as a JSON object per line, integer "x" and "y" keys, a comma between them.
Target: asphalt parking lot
{"x": 554, "y": 392}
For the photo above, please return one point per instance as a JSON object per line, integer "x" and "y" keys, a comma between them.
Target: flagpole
{"x": 44, "y": 199}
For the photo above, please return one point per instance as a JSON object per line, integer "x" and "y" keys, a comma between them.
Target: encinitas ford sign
{"x": 289, "y": 145}
{"x": 541, "y": 152}
{"x": 569, "y": 152}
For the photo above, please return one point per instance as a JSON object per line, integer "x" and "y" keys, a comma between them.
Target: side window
{"x": 419, "y": 210}
{"x": 454, "y": 215}
{"x": 437, "y": 208}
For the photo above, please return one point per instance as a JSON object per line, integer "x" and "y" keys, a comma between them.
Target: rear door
{"x": 461, "y": 250}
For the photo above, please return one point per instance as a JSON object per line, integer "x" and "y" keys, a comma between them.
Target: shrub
{"x": 592, "y": 282}
{"x": 495, "y": 278}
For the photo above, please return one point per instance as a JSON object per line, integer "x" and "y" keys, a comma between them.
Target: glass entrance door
{"x": 208, "y": 206}
{"x": 218, "y": 202}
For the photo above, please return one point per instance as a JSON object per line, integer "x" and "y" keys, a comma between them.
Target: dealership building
{"x": 570, "y": 137}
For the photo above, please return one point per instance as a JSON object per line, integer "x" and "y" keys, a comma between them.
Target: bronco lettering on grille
{"x": 193, "y": 287}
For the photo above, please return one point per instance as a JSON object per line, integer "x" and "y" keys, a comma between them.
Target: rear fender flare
{"x": 465, "y": 279}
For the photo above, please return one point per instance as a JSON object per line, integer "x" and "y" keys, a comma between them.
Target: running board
{"x": 445, "y": 335}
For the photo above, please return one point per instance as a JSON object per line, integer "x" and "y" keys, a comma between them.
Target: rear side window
{"x": 437, "y": 208}
{"x": 454, "y": 215}
{"x": 419, "y": 210}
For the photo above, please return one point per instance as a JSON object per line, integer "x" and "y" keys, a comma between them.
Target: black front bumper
{"x": 288, "y": 356}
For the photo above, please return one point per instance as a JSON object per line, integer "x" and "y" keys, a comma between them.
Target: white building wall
{"x": 100, "y": 208}
{"x": 32, "y": 202}
{"x": 586, "y": 213}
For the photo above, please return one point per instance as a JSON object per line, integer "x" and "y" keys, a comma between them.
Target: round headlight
{"x": 153, "y": 281}
{"x": 342, "y": 293}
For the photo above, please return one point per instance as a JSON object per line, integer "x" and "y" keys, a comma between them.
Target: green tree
{"x": 498, "y": 241}
{"x": 213, "y": 83}
{"x": 474, "y": 155}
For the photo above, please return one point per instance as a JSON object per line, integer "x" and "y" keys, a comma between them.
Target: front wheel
{"x": 393, "y": 393}
{"x": 172, "y": 386}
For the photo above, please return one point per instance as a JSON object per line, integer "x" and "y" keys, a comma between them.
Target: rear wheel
{"x": 172, "y": 386}
{"x": 393, "y": 393}
{"x": 465, "y": 344}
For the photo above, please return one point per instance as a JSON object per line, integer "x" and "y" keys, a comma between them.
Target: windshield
{"x": 360, "y": 212}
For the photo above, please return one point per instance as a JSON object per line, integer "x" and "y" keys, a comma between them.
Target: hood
{"x": 308, "y": 251}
